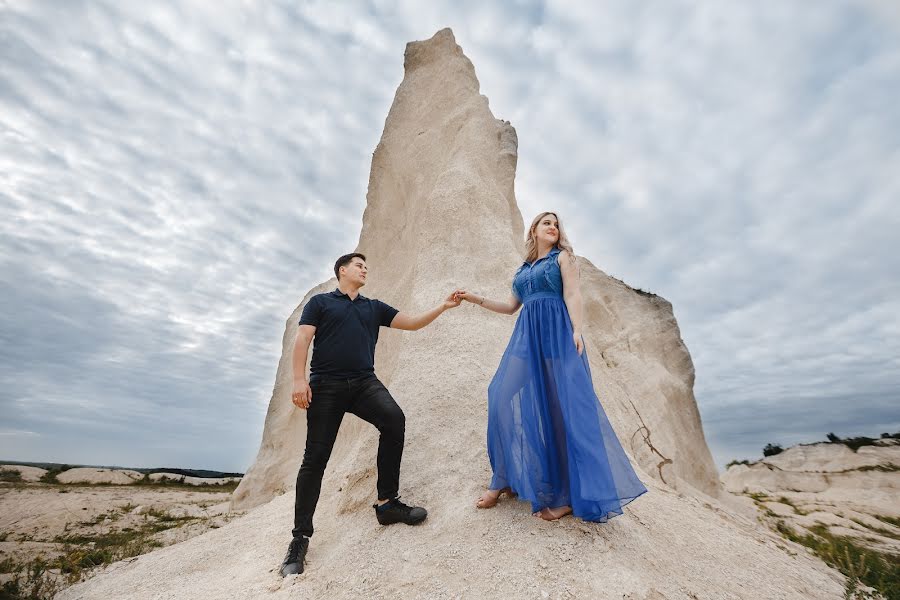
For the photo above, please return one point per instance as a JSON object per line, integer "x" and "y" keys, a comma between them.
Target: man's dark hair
{"x": 344, "y": 261}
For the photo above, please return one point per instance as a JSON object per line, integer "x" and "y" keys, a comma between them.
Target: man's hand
{"x": 453, "y": 300}
{"x": 302, "y": 395}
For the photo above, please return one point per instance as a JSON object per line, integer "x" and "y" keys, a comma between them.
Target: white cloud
{"x": 173, "y": 177}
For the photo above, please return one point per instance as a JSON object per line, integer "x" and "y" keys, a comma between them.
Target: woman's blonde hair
{"x": 562, "y": 243}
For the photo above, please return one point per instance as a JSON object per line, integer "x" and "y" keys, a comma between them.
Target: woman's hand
{"x": 467, "y": 296}
{"x": 579, "y": 343}
{"x": 452, "y": 301}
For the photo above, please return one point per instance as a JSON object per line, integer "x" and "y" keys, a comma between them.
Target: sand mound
{"x": 92, "y": 475}
{"x": 27, "y": 473}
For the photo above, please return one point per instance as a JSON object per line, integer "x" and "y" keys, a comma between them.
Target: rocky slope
{"x": 854, "y": 494}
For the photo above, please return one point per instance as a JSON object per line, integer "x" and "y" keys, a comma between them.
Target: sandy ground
{"x": 34, "y": 516}
{"x": 856, "y": 520}
{"x": 667, "y": 546}
{"x": 827, "y": 484}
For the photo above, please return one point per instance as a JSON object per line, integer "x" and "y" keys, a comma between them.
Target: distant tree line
{"x": 854, "y": 443}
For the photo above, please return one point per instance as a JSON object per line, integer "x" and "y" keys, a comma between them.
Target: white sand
{"x": 93, "y": 475}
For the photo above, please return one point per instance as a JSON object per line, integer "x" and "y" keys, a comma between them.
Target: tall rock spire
{"x": 441, "y": 213}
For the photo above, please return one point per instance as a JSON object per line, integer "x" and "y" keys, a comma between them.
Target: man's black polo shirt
{"x": 346, "y": 333}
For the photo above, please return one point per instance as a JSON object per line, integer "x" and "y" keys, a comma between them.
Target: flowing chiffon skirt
{"x": 548, "y": 438}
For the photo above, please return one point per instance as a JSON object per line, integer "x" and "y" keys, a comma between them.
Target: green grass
{"x": 50, "y": 477}
{"x": 889, "y": 520}
{"x": 879, "y": 530}
{"x": 7, "y": 565}
{"x": 644, "y": 293}
{"x": 179, "y": 483}
{"x": 111, "y": 516}
{"x": 855, "y": 443}
{"x": 874, "y": 569}
{"x": 759, "y": 496}
{"x": 889, "y": 468}
{"x": 10, "y": 475}
{"x": 83, "y": 552}
{"x": 168, "y": 484}
{"x": 33, "y": 581}
{"x": 165, "y": 517}
{"x": 42, "y": 578}
{"x": 797, "y": 510}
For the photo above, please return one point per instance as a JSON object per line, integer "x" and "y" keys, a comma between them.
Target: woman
{"x": 548, "y": 438}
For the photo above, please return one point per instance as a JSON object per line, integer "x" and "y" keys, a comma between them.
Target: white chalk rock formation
{"x": 92, "y": 475}
{"x": 441, "y": 213}
{"x": 870, "y": 475}
{"x": 852, "y": 493}
{"x": 28, "y": 474}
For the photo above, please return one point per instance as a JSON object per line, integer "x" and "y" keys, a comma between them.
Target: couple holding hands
{"x": 548, "y": 439}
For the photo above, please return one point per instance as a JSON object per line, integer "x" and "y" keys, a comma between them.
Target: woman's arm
{"x": 572, "y": 295}
{"x": 504, "y": 308}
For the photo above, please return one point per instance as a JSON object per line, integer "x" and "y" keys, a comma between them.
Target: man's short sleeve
{"x": 386, "y": 313}
{"x": 311, "y": 312}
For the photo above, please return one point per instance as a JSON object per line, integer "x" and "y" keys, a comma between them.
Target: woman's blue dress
{"x": 548, "y": 438}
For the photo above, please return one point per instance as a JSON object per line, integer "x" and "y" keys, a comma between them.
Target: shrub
{"x": 875, "y": 569}
{"x": 857, "y": 442}
{"x": 36, "y": 583}
{"x": 772, "y": 450}
{"x": 10, "y": 475}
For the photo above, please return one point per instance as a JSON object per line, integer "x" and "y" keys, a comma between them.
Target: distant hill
{"x": 177, "y": 471}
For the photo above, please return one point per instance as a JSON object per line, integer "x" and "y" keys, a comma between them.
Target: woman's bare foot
{"x": 553, "y": 514}
{"x": 490, "y": 498}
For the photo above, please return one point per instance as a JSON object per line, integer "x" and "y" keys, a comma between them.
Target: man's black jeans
{"x": 368, "y": 399}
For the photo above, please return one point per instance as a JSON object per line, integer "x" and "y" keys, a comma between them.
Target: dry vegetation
{"x": 864, "y": 553}
{"x": 53, "y": 535}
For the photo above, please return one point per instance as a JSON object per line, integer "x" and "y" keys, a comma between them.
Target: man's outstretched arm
{"x": 413, "y": 322}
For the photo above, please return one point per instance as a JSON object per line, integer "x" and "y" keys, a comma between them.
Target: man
{"x": 342, "y": 379}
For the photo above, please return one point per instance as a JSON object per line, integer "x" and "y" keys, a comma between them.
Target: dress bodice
{"x": 540, "y": 277}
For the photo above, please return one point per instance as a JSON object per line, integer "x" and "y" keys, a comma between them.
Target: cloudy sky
{"x": 174, "y": 176}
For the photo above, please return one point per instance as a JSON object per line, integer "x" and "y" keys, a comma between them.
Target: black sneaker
{"x": 296, "y": 554}
{"x": 394, "y": 511}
